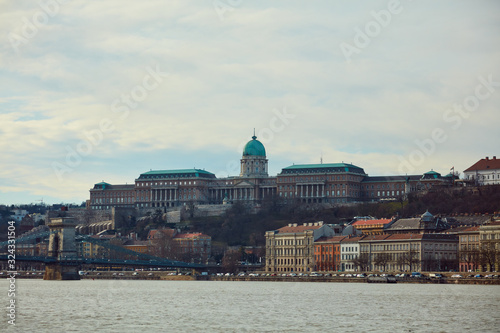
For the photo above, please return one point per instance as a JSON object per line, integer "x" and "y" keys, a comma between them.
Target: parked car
{"x": 456, "y": 276}
{"x": 478, "y": 276}
{"x": 362, "y": 275}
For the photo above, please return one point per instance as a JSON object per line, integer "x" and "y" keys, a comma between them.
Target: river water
{"x": 209, "y": 306}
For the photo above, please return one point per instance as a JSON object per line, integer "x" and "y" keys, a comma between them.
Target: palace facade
{"x": 328, "y": 183}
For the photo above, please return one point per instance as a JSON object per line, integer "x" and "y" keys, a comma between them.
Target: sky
{"x": 95, "y": 91}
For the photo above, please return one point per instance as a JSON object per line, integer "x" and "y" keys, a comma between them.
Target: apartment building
{"x": 291, "y": 248}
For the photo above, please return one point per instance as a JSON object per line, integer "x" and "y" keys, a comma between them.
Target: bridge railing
{"x": 25, "y": 239}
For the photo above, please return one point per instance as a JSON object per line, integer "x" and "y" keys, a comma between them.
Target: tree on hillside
{"x": 163, "y": 246}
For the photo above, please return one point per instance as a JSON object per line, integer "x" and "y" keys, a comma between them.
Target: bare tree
{"x": 489, "y": 255}
{"x": 430, "y": 263}
{"x": 409, "y": 258}
{"x": 230, "y": 260}
{"x": 470, "y": 257}
{"x": 164, "y": 246}
{"x": 362, "y": 262}
{"x": 381, "y": 260}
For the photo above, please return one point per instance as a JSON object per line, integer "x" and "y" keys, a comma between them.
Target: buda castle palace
{"x": 328, "y": 183}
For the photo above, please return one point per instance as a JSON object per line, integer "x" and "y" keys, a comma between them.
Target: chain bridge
{"x": 63, "y": 261}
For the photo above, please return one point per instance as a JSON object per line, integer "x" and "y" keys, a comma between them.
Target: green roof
{"x": 177, "y": 173}
{"x": 327, "y": 167}
{"x": 431, "y": 174}
{"x": 254, "y": 148}
{"x": 102, "y": 183}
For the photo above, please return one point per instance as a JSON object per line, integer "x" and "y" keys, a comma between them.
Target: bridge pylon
{"x": 62, "y": 246}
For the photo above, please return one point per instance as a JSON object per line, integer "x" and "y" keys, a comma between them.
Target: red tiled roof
{"x": 463, "y": 229}
{"x": 375, "y": 237}
{"x": 191, "y": 235}
{"x": 404, "y": 236}
{"x": 297, "y": 229}
{"x": 371, "y": 222}
{"x": 485, "y": 164}
{"x": 166, "y": 232}
{"x": 353, "y": 239}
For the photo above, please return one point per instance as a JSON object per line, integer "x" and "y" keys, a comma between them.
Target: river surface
{"x": 210, "y": 306}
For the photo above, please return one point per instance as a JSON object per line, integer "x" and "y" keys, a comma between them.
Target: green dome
{"x": 254, "y": 148}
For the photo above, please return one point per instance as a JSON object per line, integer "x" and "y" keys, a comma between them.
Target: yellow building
{"x": 291, "y": 248}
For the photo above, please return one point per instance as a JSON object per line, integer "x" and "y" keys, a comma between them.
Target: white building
{"x": 486, "y": 171}
{"x": 349, "y": 252}
{"x": 19, "y": 214}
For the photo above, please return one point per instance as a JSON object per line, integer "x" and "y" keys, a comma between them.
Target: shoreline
{"x": 164, "y": 276}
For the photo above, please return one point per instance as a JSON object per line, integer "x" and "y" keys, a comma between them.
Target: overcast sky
{"x": 107, "y": 90}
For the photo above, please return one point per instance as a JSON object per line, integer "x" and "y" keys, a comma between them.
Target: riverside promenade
{"x": 169, "y": 276}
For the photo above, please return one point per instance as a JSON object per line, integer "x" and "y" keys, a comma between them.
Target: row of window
{"x": 291, "y": 252}
{"x": 112, "y": 200}
{"x": 166, "y": 183}
{"x": 290, "y": 261}
{"x": 470, "y": 238}
{"x": 484, "y": 177}
{"x": 294, "y": 241}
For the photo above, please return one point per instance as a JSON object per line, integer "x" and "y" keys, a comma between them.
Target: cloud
{"x": 226, "y": 77}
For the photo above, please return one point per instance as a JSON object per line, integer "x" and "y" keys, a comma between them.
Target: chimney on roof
{"x": 494, "y": 157}
{"x": 290, "y": 225}
{"x": 487, "y": 158}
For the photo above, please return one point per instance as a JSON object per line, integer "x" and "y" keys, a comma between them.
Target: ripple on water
{"x": 186, "y": 306}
